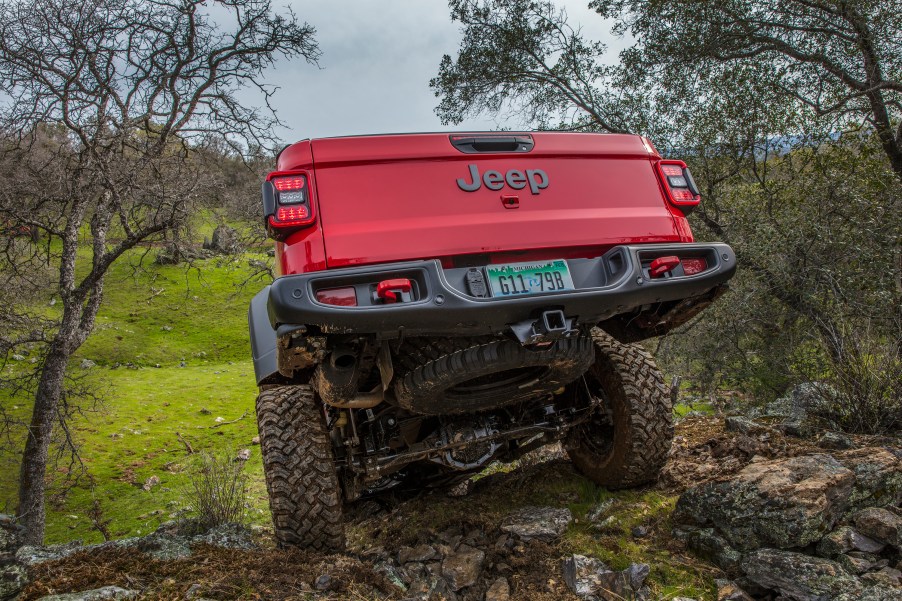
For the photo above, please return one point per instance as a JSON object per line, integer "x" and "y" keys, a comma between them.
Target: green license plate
{"x": 520, "y": 279}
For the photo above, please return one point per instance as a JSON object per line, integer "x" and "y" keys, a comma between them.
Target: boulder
{"x": 500, "y": 590}
{"x": 462, "y": 567}
{"x": 706, "y": 543}
{"x": 98, "y": 594}
{"x": 13, "y": 578}
{"x": 419, "y": 553}
{"x": 878, "y": 476}
{"x": 743, "y": 425}
{"x": 880, "y": 524}
{"x": 12, "y": 534}
{"x": 785, "y": 503}
{"x": 225, "y": 241}
{"x": 834, "y": 441}
{"x": 544, "y": 523}
{"x": 799, "y": 577}
{"x": 845, "y": 539}
{"x": 730, "y": 591}
{"x": 592, "y": 580}
{"x": 227, "y": 536}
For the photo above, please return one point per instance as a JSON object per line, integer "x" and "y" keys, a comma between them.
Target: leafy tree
{"x": 753, "y": 94}
{"x": 106, "y": 100}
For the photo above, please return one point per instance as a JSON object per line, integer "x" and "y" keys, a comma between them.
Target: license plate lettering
{"x": 519, "y": 279}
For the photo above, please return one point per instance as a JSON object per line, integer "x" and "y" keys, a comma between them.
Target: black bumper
{"x": 606, "y": 286}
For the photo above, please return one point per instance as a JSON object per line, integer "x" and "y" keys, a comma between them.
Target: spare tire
{"x": 490, "y": 374}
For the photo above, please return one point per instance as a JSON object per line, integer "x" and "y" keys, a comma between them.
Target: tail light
{"x": 286, "y": 202}
{"x": 340, "y": 297}
{"x": 694, "y": 266}
{"x": 679, "y": 185}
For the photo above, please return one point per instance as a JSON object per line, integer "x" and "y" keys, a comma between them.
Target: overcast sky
{"x": 378, "y": 57}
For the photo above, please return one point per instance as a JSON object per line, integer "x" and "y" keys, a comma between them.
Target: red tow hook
{"x": 662, "y": 265}
{"x": 392, "y": 291}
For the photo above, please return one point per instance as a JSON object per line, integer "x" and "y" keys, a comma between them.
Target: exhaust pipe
{"x": 337, "y": 378}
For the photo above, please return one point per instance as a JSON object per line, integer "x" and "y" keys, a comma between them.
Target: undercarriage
{"x": 390, "y": 447}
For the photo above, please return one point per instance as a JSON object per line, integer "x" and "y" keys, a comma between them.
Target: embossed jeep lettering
{"x": 515, "y": 178}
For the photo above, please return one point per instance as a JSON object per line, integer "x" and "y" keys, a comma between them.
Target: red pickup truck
{"x": 448, "y": 300}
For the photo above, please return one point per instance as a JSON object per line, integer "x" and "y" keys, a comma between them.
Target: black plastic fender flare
{"x": 263, "y": 338}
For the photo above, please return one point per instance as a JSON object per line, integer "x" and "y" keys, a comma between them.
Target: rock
{"x": 87, "y": 364}
{"x": 204, "y": 411}
{"x": 243, "y": 455}
{"x": 784, "y": 503}
{"x": 877, "y": 592}
{"x": 500, "y": 590}
{"x": 544, "y": 523}
{"x": 227, "y": 536}
{"x": 889, "y": 577}
{"x": 255, "y": 440}
{"x": 323, "y": 582}
{"x": 878, "y": 477}
{"x": 17, "y": 357}
{"x": 845, "y": 539}
{"x": 13, "y": 578}
{"x": 12, "y": 534}
{"x": 392, "y": 574}
{"x": 462, "y": 567}
{"x": 834, "y": 441}
{"x": 151, "y": 482}
{"x": 599, "y": 510}
{"x": 639, "y": 532}
{"x": 797, "y": 576}
{"x": 880, "y": 524}
{"x": 29, "y": 555}
{"x": 419, "y": 553}
{"x": 592, "y": 580}
{"x": 225, "y": 241}
{"x": 706, "y": 543}
{"x": 97, "y": 594}
{"x": 743, "y": 425}
{"x": 853, "y": 564}
{"x": 730, "y": 591}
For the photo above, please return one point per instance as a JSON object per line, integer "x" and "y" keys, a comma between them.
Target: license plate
{"x": 520, "y": 279}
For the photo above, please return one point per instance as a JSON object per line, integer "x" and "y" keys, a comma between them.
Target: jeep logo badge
{"x": 536, "y": 179}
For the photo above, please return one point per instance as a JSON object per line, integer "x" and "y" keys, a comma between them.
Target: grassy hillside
{"x": 172, "y": 355}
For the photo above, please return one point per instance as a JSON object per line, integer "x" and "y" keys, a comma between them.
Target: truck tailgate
{"x": 393, "y": 198}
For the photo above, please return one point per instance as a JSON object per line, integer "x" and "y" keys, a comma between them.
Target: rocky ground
{"x": 769, "y": 505}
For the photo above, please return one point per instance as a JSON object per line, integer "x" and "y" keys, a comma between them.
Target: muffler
{"x": 337, "y": 378}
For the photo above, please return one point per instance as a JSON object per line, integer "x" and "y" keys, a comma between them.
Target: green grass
{"x": 165, "y": 316}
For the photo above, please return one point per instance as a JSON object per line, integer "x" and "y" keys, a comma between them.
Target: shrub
{"x": 218, "y": 491}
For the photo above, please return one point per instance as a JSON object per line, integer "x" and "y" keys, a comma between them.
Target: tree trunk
{"x": 40, "y": 431}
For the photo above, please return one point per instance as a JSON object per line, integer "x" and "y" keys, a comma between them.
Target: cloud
{"x": 378, "y": 57}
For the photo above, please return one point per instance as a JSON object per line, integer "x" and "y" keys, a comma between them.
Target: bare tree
{"x": 107, "y": 100}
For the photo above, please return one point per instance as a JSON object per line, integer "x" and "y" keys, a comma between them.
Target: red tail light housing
{"x": 679, "y": 185}
{"x": 340, "y": 297}
{"x": 291, "y": 204}
{"x": 694, "y": 266}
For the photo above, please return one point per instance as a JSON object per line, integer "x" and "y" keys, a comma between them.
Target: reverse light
{"x": 340, "y": 297}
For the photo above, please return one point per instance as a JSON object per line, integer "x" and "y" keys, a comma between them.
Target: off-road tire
{"x": 487, "y": 373}
{"x": 304, "y": 489}
{"x": 632, "y": 447}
